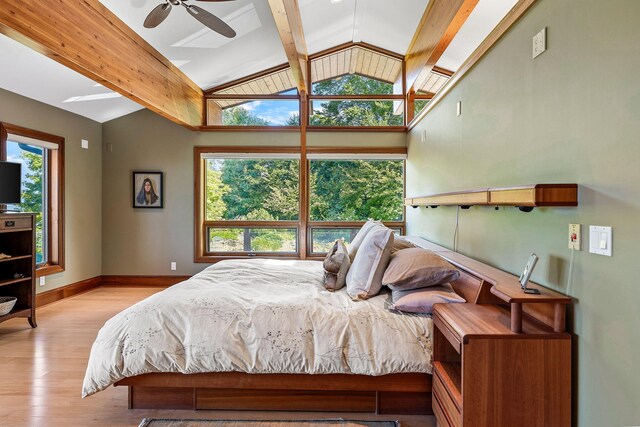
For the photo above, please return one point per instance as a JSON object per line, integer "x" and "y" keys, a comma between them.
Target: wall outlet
{"x": 173, "y": 266}
{"x": 85, "y": 144}
{"x": 423, "y": 136}
{"x": 540, "y": 42}
{"x": 42, "y": 280}
{"x": 575, "y": 236}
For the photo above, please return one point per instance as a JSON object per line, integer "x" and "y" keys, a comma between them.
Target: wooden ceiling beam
{"x": 439, "y": 24}
{"x": 286, "y": 14}
{"x": 88, "y": 38}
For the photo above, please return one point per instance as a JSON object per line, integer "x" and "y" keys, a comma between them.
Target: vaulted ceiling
{"x": 209, "y": 59}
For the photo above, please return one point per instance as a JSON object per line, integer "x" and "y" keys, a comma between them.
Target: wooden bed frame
{"x": 407, "y": 393}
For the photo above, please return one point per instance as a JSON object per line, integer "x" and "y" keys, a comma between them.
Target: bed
{"x": 265, "y": 334}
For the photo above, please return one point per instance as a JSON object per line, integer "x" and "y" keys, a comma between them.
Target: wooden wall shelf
{"x": 525, "y": 196}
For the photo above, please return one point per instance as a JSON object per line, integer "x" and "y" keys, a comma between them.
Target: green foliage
{"x": 352, "y": 84}
{"x": 215, "y": 191}
{"x": 354, "y": 113}
{"x": 356, "y": 190}
{"x": 241, "y": 116}
{"x": 272, "y": 240}
{"x": 419, "y": 105}
{"x": 32, "y": 196}
{"x": 261, "y": 189}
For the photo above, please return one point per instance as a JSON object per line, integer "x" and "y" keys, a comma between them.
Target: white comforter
{"x": 258, "y": 316}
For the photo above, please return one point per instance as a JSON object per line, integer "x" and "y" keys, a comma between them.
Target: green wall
{"x": 145, "y": 241}
{"x": 570, "y": 115}
{"x": 83, "y": 175}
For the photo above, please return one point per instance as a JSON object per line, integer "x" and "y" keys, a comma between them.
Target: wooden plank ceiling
{"x": 356, "y": 60}
{"x": 88, "y": 38}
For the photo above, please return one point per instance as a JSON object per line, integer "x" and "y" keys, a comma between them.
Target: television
{"x": 10, "y": 181}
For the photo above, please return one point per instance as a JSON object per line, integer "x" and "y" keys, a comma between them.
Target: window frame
{"x": 54, "y": 214}
{"x": 303, "y": 225}
{"x": 202, "y": 225}
{"x": 222, "y": 92}
{"x": 353, "y": 153}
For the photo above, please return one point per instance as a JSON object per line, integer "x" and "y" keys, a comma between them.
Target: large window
{"x": 41, "y": 156}
{"x": 345, "y": 192}
{"x": 249, "y": 204}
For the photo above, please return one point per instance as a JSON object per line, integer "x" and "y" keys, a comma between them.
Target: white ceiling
{"x": 210, "y": 59}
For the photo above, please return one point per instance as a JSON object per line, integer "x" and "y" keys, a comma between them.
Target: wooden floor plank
{"x": 43, "y": 369}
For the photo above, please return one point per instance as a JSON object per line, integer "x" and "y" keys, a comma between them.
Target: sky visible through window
{"x": 274, "y": 112}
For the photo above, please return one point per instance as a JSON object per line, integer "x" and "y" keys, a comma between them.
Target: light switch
{"x": 85, "y": 144}
{"x": 600, "y": 239}
{"x": 459, "y": 108}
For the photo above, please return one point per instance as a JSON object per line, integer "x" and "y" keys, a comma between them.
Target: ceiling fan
{"x": 160, "y": 12}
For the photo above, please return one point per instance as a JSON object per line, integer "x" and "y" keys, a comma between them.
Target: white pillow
{"x": 360, "y": 235}
{"x": 364, "y": 278}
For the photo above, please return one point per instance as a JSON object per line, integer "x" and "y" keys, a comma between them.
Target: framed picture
{"x": 148, "y": 190}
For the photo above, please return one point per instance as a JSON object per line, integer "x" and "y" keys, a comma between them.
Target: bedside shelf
{"x": 12, "y": 281}
{"x": 525, "y": 196}
{"x": 486, "y": 375}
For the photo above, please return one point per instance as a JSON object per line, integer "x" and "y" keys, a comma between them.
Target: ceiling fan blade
{"x": 157, "y": 15}
{"x": 211, "y": 21}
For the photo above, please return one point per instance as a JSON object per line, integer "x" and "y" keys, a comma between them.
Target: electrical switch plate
{"x": 85, "y": 144}
{"x": 540, "y": 42}
{"x": 423, "y": 136}
{"x": 173, "y": 265}
{"x": 42, "y": 280}
{"x": 600, "y": 240}
{"x": 575, "y": 236}
{"x": 459, "y": 108}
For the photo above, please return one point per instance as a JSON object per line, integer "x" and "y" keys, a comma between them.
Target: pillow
{"x": 360, "y": 235}
{"x": 364, "y": 278}
{"x": 400, "y": 243}
{"x": 422, "y": 300}
{"x": 418, "y": 268}
{"x": 336, "y": 264}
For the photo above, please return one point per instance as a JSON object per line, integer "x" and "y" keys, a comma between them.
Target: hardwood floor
{"x": 41, "y": 370}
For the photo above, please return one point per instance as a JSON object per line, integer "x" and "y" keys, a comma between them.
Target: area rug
{"x": 153, "y": 422}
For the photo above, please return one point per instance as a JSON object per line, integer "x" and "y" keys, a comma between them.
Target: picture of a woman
{"x": 147, "y": 195}
{"x": 148, "y": 190}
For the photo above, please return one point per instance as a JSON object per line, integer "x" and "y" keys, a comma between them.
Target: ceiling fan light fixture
{"x": 160, "y": 12}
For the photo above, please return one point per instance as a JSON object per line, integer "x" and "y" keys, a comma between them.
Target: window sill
{"x": 48, "y": 270}
{"x": 216, "y": 258}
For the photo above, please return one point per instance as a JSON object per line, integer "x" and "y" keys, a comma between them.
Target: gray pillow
{"x": 336, "y": 264}
{"x": 360, "y": 235}
{"x": 364, "y": 278}
{"x": 422, "y": 300}
{"x": 418, "y": 268}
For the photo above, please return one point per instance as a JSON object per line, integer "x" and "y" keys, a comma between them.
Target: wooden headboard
{"x": 481, "y": 283}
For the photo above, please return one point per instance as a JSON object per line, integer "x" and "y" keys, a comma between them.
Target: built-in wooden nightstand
{"x": 484, "y": 374}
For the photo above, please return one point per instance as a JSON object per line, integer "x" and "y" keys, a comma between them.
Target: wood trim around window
{"x": 341, "y": 224}
{"x": 200, "y": 224}
{"x": 55, "y": 182}
{"x": 303, "y": 224}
